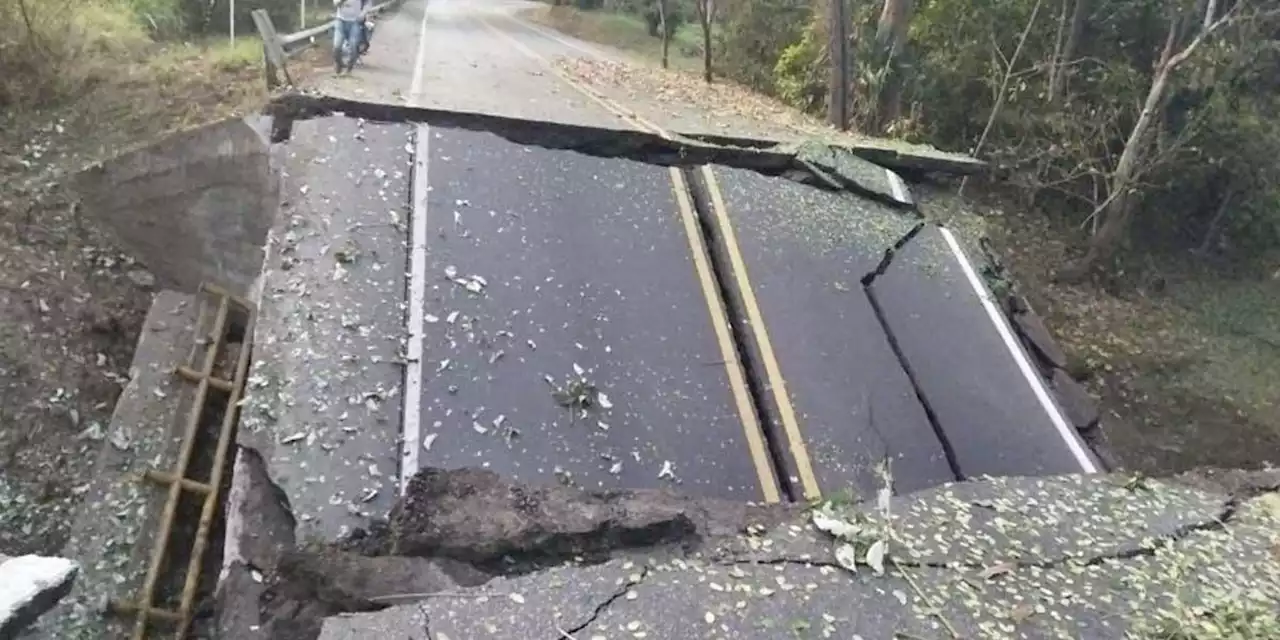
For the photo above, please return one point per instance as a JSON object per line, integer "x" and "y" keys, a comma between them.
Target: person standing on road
{"x": 347, "y": 29}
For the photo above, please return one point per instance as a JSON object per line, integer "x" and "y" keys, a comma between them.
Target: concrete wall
{"x": 194, "y": 207}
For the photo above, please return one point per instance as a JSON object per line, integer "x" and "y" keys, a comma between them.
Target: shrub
{"x": 754, "y": 34}
{"x": 52, "y": 49}
{"x": 799, "y": 75}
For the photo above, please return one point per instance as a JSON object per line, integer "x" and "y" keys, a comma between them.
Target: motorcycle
{"x": 367, "y": 36}
{"x": 344, "y": 57}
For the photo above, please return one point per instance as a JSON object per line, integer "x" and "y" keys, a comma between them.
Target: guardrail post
{"x": 272, "y": 50}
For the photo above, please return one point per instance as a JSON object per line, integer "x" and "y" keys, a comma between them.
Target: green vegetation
{"x": 628, "y": 31}
{"x": 56, "y": 50}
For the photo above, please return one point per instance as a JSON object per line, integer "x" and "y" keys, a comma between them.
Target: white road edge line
{"x": 1066, "y": 431}
{"x": 411, "y": 416}
{"x": 411, "y": 412}
{"x": 415, "y": 85}
{"x": 895, "y": 183}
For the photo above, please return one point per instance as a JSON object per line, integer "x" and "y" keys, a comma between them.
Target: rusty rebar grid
{"x": 143, "y": 607}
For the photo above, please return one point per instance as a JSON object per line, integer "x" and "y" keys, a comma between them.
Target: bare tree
{"x": 666, "y": 34}
{"x": 891, "y": 40}
{"x": 1069, "y": 34}
{"x": 706, "y": 10}
{"x": 1003, "y": 91}
{"x": 1116, "y": 211}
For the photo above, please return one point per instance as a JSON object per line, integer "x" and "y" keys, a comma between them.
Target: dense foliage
{"x": 1067, "y": 81}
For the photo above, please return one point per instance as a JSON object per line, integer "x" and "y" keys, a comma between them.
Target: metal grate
{"x": 210, "y": 343}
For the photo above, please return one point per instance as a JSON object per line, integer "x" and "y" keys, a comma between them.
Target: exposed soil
{"x": 71, "y": 303}
{"x": 1177, "y": 392}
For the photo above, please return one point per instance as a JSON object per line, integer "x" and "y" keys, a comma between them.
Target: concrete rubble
{"x": 30, "y": 586}
{"x": 466, "y": 554}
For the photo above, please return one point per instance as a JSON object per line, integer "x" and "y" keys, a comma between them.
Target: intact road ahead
{"x": 618, "y": 324}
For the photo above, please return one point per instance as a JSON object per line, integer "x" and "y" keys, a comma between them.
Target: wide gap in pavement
{"x": 748, "y": 350}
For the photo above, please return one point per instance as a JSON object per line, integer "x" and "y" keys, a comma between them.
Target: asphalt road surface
{"x": 615, "y": 324}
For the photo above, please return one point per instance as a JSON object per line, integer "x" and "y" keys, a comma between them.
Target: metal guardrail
{"x": 277, "y": 48}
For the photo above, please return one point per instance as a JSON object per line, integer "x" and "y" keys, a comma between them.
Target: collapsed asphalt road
{"x": 610, "y": 310}
{"x": 733, "y": 332}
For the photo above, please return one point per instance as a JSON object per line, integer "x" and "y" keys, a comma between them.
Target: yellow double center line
{"x": 719, "y": 318}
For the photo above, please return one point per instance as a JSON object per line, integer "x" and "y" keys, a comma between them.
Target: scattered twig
{"x": 935, "y": 611}
{"x": 437, "y": 594}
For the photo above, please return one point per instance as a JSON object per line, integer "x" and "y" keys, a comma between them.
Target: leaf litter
{"x": 578, "y": 394}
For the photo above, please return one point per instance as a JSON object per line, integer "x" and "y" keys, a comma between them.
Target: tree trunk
{"x": 1210, "y": 14}
{"x": 662, "y": 26}
{"x": 1058, "y": 35}
{"x": 1118, "y": 211}
{"x": 1004, "y": 88}
{"x": 1058, "y": 79}
{"x": 838, "y": 85}
{"x": 891, "y": 39}
{"x": 705, "y": 9}
{"x": 1215, "y": 225}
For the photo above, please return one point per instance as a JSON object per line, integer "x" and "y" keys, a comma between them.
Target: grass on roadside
{"x": 624, "y": 32}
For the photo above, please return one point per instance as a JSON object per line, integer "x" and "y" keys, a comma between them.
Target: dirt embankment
{"x": 79, "y": 86}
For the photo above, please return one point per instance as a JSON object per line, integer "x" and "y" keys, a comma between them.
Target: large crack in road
{"x": 868, "y": 290}
{"x": 742, "y": 565}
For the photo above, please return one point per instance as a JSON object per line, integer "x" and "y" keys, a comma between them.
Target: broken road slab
{"x": 568, "y": 336}
{"x": 1152, "y": 552}
{"x": 891, "y": 154}
{"x": 805, "y": 252}
{"x": 476, "y": 516}
{"x": 992, "y": 409}
{"x": 401, "y": 623}
{"x": 324, "y": 395}
{"x": 845, "y": 170}
{"x": 1057, "y": 518}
